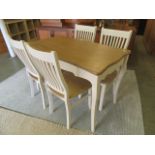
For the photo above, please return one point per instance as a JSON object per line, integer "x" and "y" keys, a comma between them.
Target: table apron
{"x": 77, "y": 71}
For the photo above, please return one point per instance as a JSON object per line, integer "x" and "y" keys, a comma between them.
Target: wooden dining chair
{"x": 116, "y": 39}
{"x": 83, "y": 32}
{"x": 32, "y": 74}
{"x": 64, "y": 85}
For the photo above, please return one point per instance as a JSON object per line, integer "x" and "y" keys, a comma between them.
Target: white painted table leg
{"x": 116, "y": 83}
{"x": 68, "y": 117}
{"x": 95, "y": 96}
{"x": 102, "y": 96}
{"x": 89, "y": 98}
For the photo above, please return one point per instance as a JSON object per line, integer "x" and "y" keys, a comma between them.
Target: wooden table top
{"x": 92, "y": 57}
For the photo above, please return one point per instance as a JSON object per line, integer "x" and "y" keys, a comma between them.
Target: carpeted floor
{"x": 14, "y": 123}
{"x": 123, "y": 118}
{"x": 144, "y": 66}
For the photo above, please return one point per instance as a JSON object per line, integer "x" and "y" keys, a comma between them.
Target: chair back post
{"x": 83, "y": 32}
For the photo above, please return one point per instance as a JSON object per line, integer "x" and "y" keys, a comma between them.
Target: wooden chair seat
{"x": 75, "y": 84}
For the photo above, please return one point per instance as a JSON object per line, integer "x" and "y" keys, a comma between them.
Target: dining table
{"x": 88, "y": 60}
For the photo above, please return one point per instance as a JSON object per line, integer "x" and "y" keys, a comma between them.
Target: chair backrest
{"x": 86, "y": 33}
{"x": 19, "y": 49}
{"x": 48, "y": 67}
{"x": 115, "y": 38}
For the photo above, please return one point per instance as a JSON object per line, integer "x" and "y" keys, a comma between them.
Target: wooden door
{"x": 152, "y": 37}
{"x": 148, "y": 29}
{"x": 3, "y": 47}
{"x": 149, "y": 36}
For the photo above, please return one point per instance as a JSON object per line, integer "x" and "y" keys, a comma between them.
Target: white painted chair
{"x": 64, "y": 85}
{"x": 115, "y": 39}
{"x": 83, "y": 32}
{"x": 33, "y": 76}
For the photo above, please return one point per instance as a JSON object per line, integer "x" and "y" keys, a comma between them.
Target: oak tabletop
{"x": 92, "y": 57}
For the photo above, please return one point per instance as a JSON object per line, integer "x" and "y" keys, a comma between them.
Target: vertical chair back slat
{"x": 86, "y": 33}
{"x": 48, "y": 67}
{"x": 119, "y": 42}
{"x": 108, "y": 39}
{"x": 111, "y": 40}
{"x": 115, "y": 43}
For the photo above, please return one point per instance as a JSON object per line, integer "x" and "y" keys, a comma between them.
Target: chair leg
{"x": 31, "y": 83}
{"x": 42, "y": 94}
{"x": 102, "y": 95}
{"x": 116, "y": 84}
{"x": 32, "y": 86}
{"x": 50, "y": 100}
{"x": 89, "y": 99}
{"x": 68, "y": 118}
{"x": 37, "y": 85}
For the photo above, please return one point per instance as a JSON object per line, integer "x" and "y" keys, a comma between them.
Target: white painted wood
{"x": 38, "y": 88}
{"x": 32, "y": 73}
{"x": 83, "y": 32}
{"x": 68, "y": 117}
{"x": 95, "y": 81}
{"x": 6, "y": 37}
{"x": 102, "y": 95}
{"x": 41, "y": 84}
{"x": 32, "y": 86}
{"x": 115, "y": 39}
{"x": 118, "y": 79}
{"x": 48, "y": 67}
{"x": 89, "y": 99}
{"x": 95, "y": 97}
{"x": 50, "y": 99}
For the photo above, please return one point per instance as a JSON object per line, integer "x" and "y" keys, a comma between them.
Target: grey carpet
{"x": 125, "y": 117}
